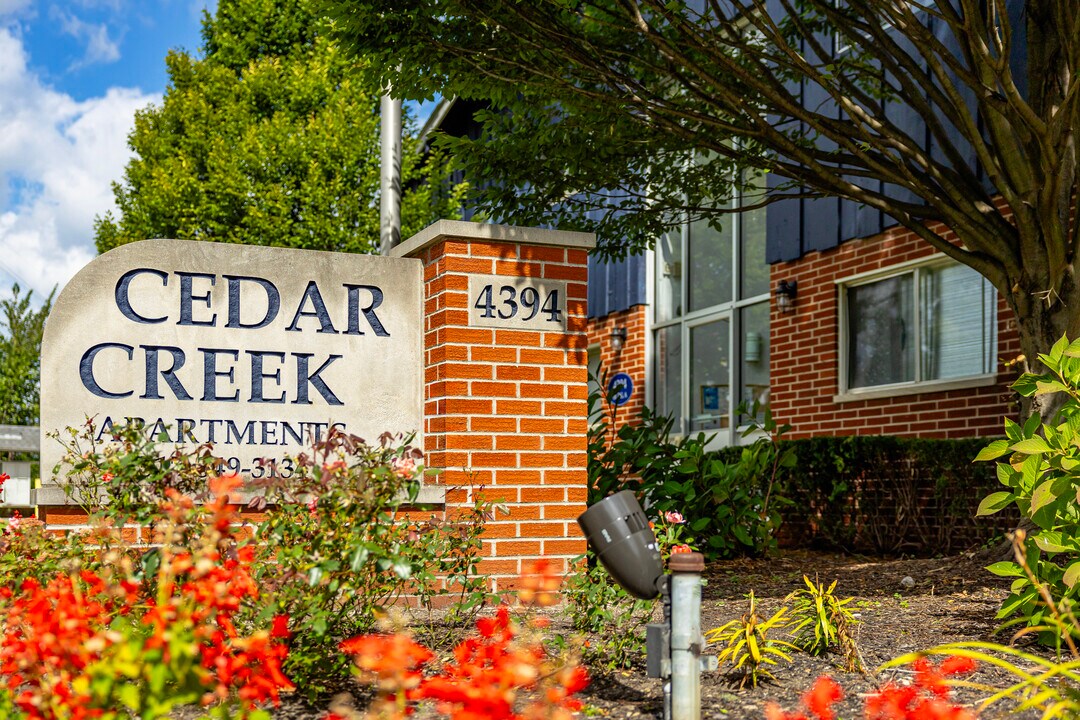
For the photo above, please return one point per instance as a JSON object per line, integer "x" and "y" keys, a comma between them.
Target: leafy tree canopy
{"x": 21, "y": 327}
{"x": 271, "y": 138}
{"x": 617, "y": 94}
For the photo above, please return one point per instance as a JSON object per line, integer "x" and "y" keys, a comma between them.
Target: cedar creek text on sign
{"x": 257, "y": 350}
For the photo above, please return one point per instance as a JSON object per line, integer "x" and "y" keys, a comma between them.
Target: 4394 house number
{"x": 497, "y": 301}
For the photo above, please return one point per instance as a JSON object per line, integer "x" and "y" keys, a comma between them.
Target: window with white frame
{"x": 921, "y": 324}
{"x": 711, "y": 323}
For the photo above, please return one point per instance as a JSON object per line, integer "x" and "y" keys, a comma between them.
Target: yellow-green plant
{"x": 747, "y": 647}
{"x": 820, "y": 621}
{"x": 1050, "y": 686}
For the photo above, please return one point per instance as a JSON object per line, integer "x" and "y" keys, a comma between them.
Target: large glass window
{"x": 928, "y": 323}
{"x": 720, "y": 315}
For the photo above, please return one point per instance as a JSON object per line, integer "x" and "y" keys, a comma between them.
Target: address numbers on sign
{"x": 499, "y": 301}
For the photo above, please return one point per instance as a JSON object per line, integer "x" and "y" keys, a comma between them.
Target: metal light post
{"x": 620, "y": 535}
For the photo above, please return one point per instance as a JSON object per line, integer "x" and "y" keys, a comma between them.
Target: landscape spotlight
{"x": 620, "y": 535}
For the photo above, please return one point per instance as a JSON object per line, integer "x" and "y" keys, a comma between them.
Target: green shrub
{"x": 1040, "y": 473}
{"x": 124, "y": 477}
{"x": 342, "y": 539}
{"x": 337, "y": 549}
{"x": 614, "y": 619}
{"x": 727, "y": 500}
{"x": 888, "y": 495}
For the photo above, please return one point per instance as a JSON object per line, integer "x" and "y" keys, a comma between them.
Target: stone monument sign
{"x": 255, "y": 349}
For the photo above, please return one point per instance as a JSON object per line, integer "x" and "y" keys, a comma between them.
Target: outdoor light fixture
{"x": 618, "y": 338}
{"x": 620, "y": 535}
{"x": 785, "y": 296}
{"x": 618, "y": 532}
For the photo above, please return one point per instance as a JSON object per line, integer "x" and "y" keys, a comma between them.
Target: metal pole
{"x": 686, "y": 640}
{"x": 390, "y": 197}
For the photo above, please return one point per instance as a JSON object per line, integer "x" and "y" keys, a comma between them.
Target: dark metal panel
{"x": 636, "y": 272}
{"x": 1018, "y": 56}
{"x": 615, "y": 285}
{"x": 783, "y": 226}
{"x": 597, "y": 294}
{"x": 821, "y": 216}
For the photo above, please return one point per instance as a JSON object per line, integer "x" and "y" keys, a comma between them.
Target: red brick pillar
{"x": 506, "y": 398}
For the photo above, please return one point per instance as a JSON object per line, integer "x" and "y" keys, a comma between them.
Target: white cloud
{"x": 63, "y": 156}
{"x": 11, "y": 7}
{"x": 99, "y": 47}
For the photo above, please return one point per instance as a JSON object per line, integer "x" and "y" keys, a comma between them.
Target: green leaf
{"x": 1072, "y": 573}
{"x": 1031, "y": 446}
{"x": 1043, "y": 496}
{"x": 994, "y": 502}
{"x": 1058, "y": 349}
{"x": 994, "y": 450}
{"x": 1053, "y": 542}
{"x": 129, "y": 695}
{"x": 359, "y": 557}
{"x": 1006, "y": 569}
{"x": 1030, "y": 471}
{"x": 1026, "y": 384}
{"x": 1032, "y": 424}
{"x": 1006, "y": 474}
{"x": 1043, "y": 387}
{"x": 1015, "y": 602}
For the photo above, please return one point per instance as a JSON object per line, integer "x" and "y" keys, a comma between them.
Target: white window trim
{"x": 729, "y": 310}
{"x": 914, "y": 387}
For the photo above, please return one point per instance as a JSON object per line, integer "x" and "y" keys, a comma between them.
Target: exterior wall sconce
{"x": 785, "y": 296}
{"x": 618, "y": 338}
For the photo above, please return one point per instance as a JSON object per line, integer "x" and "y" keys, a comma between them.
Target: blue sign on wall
{"x": 620, "y": 387}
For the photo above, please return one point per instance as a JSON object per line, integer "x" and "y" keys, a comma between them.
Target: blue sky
{"x": 72, "y": 75}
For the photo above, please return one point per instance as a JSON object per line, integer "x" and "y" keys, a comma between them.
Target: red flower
{"x": 280, "y": 627}
{"x": 957, "y": 665}
{"x": 890, "y": 702}
{"x": 822, "y": 696}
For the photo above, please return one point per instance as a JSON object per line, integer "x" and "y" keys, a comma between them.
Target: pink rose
{"x": 674, "y": 517}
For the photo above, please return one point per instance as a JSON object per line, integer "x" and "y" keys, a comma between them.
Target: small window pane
{"x": 959, "y": 323}
{"x": 669, "y": 276}
{"x": 881, "y": 332}
{"x": 668, "y": 393}
{"x": 754, "y": 271}
{"x": 754, "y": 357}
{"x": 710, "y": 372}
{"x": 709, "y": 264}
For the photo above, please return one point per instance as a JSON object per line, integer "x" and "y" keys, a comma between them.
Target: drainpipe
{"x": 390, "y": 197}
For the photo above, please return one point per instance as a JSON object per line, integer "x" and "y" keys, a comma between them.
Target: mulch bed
{"x": 953, "y": 599}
